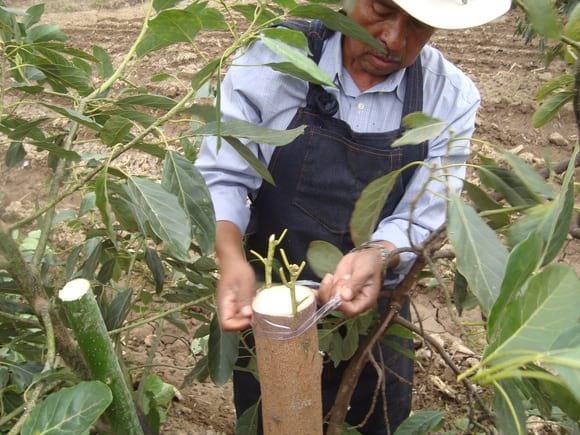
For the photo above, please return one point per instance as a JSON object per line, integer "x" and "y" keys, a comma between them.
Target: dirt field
{"x": 507, "y": 73}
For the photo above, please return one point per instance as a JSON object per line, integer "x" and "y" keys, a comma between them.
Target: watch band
{"x": 384, "y": 252}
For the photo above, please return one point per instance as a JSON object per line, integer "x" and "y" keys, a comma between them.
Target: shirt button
{"x": 360, "y": 106}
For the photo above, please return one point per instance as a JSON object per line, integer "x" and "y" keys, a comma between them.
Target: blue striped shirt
{"x": 253, "y": 92}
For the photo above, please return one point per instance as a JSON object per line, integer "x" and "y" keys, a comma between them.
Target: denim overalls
{"x": 318, "y": 178}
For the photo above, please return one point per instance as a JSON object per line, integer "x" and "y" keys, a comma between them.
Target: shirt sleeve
{"x": 229, "y": 177}
{"x": 423, "y": 207}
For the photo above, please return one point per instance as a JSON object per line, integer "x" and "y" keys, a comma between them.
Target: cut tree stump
{"x": 289, "y": 369}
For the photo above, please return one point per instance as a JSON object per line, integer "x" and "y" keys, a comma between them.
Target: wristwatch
{"x": 384, "y": 252}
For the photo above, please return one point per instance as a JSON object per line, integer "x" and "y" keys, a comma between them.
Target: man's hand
{"x": 357, "y": 279}
{"x": 235, "y": 291}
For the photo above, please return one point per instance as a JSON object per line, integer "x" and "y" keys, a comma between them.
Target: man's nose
{"x": 394, "y": 34}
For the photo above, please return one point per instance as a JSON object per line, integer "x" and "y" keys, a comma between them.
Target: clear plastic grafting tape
{"x": 284, "y": 332}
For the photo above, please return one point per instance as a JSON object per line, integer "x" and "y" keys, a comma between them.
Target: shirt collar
{"x": 331, "y": 63}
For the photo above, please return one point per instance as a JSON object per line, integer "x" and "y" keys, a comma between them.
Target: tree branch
{"x": 397, "y": 299}
{"x": 437, "y": 346}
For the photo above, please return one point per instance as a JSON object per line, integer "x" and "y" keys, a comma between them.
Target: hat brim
{"x": 454, "y": 14}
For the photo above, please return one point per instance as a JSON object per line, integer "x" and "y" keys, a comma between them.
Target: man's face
{"x": 402, "y": 36}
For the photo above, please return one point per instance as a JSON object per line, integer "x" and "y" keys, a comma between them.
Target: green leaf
{"x": 524, "y": 259}
{"x": 182, "y": 178}
{"x": 115, "y": 130}
{"x": 572, "y": 28}
{"x": 481, "y": 258}
{"x": 535, "y": 319}
{"x": 251, "y": 13}
{"x": 104, "y": 62}
{"x": 460, "y": 292}
{"x": 508, "y": 184}
{"x": 337, "y": 21}
{"x": 87, "y": 203}
{"x": 222, "y": 352}
{"x": 45, "y": 32}
{"x": 322, "y": 257}
{"x": 156, "y": 267}
{"x": 421, "y": 422}
{"x": 298, "y": 59}
{"x": 161, "y": 211}
{"x": 149, "y": 100}
{"x": 70, "y": 410}
{"x": 550, "y": 107}
{"x": 252, "y": 160}
{"x": 509, "y": 407}
{"x": 543, "y": 17}
{"x": 57, "y": 150}
{"x": 28, "y": 129}
{"x": 565, "y": 354}
{"x": 74, "y": 115}
{"x": 422, "y": 128}
{"x": 483, "y": 202}
{"x": 248, "y": 130}
{"x": 160, "y": 5}
{"x": 564, "y": 82}
{"x": 204, "y": 74}
{"x": 247, "y": 424}
{"x": 529, "y": 176}
{"x": 15, "y": 154}
{"x": 66, "y": 75}
{"x": 293, "y": 38}
{"x": 368, "y": 207}
{"x": 200, "y": 372}
{"x": 552, "y": 220}
{"x": 396, "y": 330}
{"x": 212, "y": 19}
{"x": 562, "y": 397}
{"x": 161, "y": 393}
{"x": 33, "y": 15}
{"x": 118, "y": 309}
{"x": 167, "y": 28}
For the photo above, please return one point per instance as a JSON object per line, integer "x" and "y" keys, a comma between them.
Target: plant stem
{"x": 30, "y": 404}
{"x": 159, "y": 316}
{"x": 61, "y": 168}
{"x": 15, "y": 413}
{"x": 96, "y": 346}
{"x": 93, "y": 173}
{"x": 16, "y": 318}
{"x": 30, "y": 287}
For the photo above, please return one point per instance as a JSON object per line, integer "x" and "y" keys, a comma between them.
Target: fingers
{"x": 235, "y": 292}
{"x": 325, "y": 291}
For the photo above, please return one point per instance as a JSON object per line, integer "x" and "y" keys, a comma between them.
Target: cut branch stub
{"x": 289, "y": 368}
{"x": 91, "y": 333}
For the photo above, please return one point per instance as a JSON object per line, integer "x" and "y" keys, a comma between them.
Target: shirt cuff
{"x": 230, "y": 204}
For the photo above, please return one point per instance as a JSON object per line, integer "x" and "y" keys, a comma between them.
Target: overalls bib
{"x": 319, "y": 177}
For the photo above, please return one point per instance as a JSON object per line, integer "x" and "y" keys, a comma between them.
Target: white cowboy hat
{"x": 454, "y": 14}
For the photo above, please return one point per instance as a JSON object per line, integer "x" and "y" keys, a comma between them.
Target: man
{"x": 321, "y": 174}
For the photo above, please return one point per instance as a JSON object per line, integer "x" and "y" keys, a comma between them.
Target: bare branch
{"x": 437, "y": 346}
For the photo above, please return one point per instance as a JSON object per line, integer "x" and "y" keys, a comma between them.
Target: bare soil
{"x": 507, "y": 72}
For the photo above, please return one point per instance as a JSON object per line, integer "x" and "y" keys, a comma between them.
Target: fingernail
{"x": 346, "y": 277}
{"x": 327, "y": 278}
